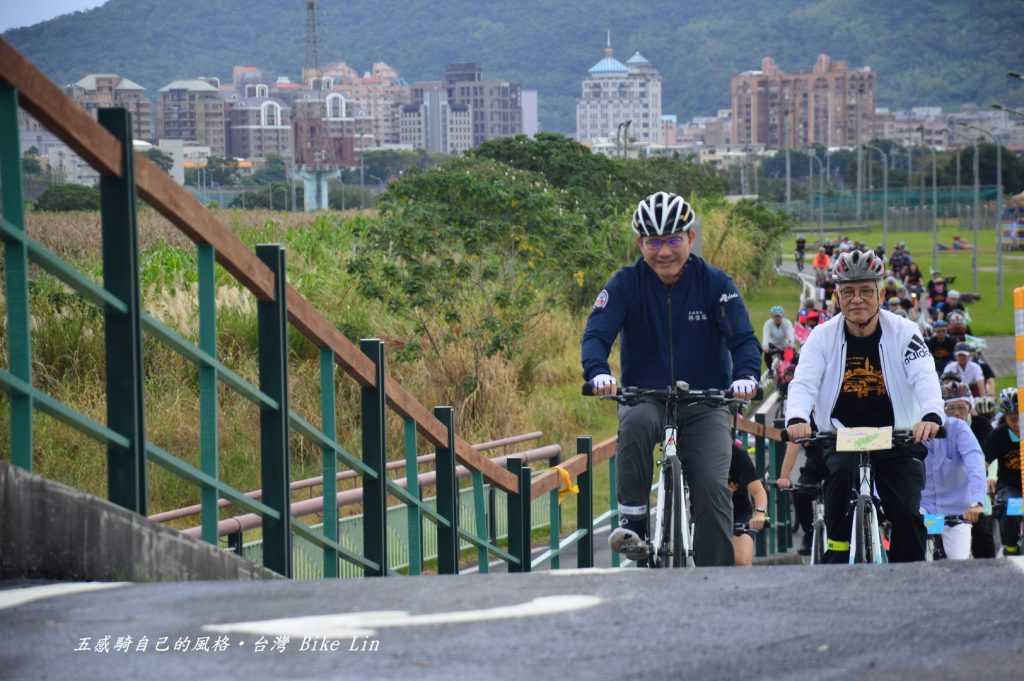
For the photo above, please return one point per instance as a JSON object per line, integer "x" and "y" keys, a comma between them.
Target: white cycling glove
{"x": 744, "y": 386}
{"x": 602, "y": 380}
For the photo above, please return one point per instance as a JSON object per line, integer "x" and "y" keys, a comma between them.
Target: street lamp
{"x": 999, "y": 209}
{"x": 935, "y": 201}
{"x": 821, "y": 194}
{"x": 885, "y": 194}
{"x": 621, "y": 132}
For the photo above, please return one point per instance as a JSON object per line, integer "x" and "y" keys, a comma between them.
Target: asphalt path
{"x": 942, "y": 620}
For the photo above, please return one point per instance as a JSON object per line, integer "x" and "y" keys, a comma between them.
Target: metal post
{"x": 613, "y": 501}
{"x": 585, "y": 506}
{"x": 977, "y": 216}
{"x": 516, "y": 521}
{"x": 329, "y": 461}
{"x": 789, "y": 196}
{"x": 362, "y": 177}
{"x": 413, "y": 514}
{"x": 447, "y": 497}
{"x": 860, "y": 169}
{"x": 19, "y": 329}
{"x": 999, "y": 222}
{"x": 761, "y": 541}
{"x": 935, "y": 213}
{"x": 272, "y": 318}
{"x": 810, "y": 183}
{"x": 126, "y": 468}
{"x": 480, "y": 521}
{"x": 375, "y": 515}
{"x": 209, "y": 459}
{"x": 554, "y": 518}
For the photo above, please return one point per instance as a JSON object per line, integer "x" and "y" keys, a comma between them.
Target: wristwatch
{"x": 761, "y": 510}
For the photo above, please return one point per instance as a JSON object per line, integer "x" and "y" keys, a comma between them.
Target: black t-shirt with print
{"x": 863, "y": 398}
{"x": 741, "y": 474}
{"x": 999, "y": 447}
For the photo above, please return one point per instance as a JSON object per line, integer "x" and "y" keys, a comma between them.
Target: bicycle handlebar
{"x": 899, "y": 437}
{"x": 629, "y": 394}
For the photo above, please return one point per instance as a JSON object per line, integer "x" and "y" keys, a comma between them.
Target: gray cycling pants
{"x": 705, "y": 450}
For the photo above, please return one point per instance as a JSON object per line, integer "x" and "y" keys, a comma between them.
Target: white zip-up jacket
{"x": 907, "y": 368}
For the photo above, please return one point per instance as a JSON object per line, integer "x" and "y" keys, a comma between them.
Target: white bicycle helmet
{"x": 663, "y": 213}
{"x": 858, "y": 266}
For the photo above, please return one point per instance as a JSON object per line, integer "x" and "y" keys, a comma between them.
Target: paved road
{"x": 926, "y": 621}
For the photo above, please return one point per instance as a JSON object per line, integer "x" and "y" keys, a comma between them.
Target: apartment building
{"x": 614, "y": 93}
{"x": 496, "y": 105}
{"x": 105, "y": 90}
{"x": 195, "y": 111}
{"x": 433, "y": 123}
{"x": 259, "y": 126}
{"x": 832, "y": 105}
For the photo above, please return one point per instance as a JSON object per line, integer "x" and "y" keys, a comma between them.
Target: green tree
{"x": 65, "y": 197}
{"x": 469, "y": 253}
{"x": 30, "y": 165}
{"x": 219, "y": 171}
{"x": 273, "y": 170}
{"x": 161, "y": 158}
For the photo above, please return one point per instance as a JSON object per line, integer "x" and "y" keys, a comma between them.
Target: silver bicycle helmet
{"x": 858, "y": 266}
{"x": 663, "y": 213}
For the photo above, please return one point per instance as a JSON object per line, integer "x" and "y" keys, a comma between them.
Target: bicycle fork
{"x": 668, "y": 450}
{"x": 865, "y": 490}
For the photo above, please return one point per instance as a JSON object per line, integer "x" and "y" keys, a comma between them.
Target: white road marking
{"x": 350, "y": 625}
{"x": 10, "y": 598}
{"x": 1017, "y": 562}
{"x": 585, "y": 571}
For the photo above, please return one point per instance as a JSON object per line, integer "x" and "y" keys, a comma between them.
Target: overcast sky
{"x": 16, "y": 13}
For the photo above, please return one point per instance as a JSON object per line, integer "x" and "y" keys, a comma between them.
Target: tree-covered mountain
{"x": 926, "y": 52}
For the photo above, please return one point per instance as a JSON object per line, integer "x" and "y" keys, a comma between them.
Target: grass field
{"x": 989, "y": 318}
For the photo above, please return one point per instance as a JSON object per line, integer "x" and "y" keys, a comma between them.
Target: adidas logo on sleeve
{"x": 916, "y": 349}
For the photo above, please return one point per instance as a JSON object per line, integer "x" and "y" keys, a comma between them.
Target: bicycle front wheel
{"x": 818, "y": 543}
{"x": 863, "y": 545}
{"x": 672, "y": 547}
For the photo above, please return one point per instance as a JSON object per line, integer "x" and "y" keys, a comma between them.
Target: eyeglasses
{"x": 654, "y": 244}
{"x": 864, "y": 293}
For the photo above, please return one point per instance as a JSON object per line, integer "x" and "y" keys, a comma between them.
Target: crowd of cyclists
{"x": 877, "y": 345}
{"x": 975, "y": 469}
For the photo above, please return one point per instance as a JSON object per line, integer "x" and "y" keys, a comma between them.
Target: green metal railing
{"x": 128, "y": 450}
{"x": 514, "y": 502}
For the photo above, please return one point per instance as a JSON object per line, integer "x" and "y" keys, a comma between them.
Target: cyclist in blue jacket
{"x": 680, "y": 319}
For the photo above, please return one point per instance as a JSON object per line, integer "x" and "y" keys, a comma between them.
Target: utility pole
{"x": 977, "y": 214}
{"x": 860, "y": 163}
{"x": 885, "y": 194}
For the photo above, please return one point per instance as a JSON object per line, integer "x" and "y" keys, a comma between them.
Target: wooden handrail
{"x": 71, "y": 124}
{"x": 195, "y": 509}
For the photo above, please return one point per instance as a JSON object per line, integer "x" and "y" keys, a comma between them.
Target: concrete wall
{"x": 51, "y": 530}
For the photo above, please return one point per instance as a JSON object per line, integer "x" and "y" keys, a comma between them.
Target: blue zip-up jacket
{"x": 713, "y": 341}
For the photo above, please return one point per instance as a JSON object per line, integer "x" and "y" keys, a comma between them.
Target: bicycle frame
{"x": 865, "y": 485}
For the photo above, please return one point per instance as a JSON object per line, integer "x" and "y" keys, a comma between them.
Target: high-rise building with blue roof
{"x": 614, "y": 94}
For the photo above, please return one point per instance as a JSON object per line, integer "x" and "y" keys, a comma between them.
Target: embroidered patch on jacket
{"x": 915, "y": 350}
{"x": 726, "y": 297}
{"x": 602, "y": 299}
{"x": 696, "y": 316}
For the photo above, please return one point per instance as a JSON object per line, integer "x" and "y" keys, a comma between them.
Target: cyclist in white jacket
{"x": 867, "y": 367}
